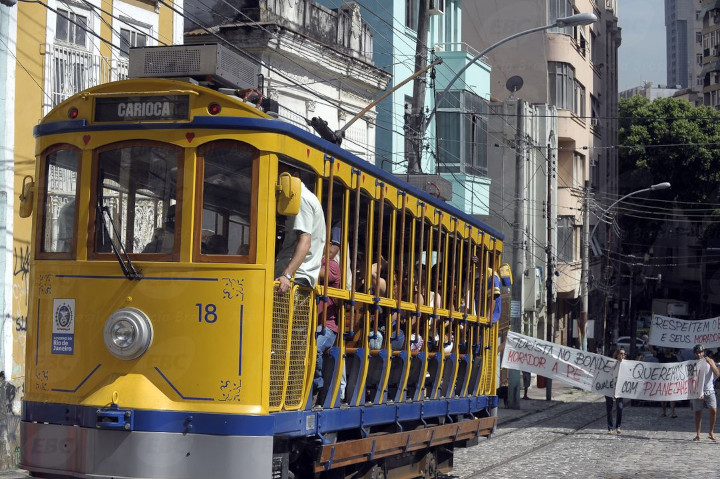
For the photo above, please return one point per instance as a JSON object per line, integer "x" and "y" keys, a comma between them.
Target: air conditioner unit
{"x": 226, "y": 67}
{"x": 436, "y": 7}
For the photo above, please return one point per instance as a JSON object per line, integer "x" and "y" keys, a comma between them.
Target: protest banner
{"x": 588, "y": 371}
{"x": 601, "y": 374}
{"x": 683, "y": 333}
{"x": 658, "y": 381}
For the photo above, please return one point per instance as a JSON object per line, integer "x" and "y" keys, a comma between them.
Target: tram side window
{"x": 227, "y": 208}
{"x": 139, "y": 199}
{"x": 61, "y": 176}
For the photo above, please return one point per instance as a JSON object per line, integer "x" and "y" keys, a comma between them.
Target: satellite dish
{"x": 514, "y": 83}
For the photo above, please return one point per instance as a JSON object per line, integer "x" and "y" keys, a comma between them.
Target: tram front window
{"x": 138, "y": 195}
{"x": 228, "y": 201}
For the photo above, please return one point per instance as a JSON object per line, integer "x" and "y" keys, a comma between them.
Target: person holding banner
{"x": 667, "y": 356}
{"x": 619, "y": 355}
{"x": 707, "y": 372}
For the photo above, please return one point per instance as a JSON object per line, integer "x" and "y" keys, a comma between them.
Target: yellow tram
{"x": 158, "y": 345}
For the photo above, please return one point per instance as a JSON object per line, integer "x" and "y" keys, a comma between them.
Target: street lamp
{"x": 585, "y": 271}
{"x": 660, "y": 186}
{"x": 571, "y": 21}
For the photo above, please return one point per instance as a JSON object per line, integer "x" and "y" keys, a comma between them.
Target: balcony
{"x": 455, "y": 56}
{"x": 70, "y": 70}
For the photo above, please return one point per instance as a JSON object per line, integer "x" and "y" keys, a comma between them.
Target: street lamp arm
{"x": 660, "y": 186}
{"x": 339, "y": 133}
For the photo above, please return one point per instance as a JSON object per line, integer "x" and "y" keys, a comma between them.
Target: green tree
{"x": 670, "y": 140}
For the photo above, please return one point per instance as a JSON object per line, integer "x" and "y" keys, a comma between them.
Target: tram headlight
{"x": 128, "y": 333}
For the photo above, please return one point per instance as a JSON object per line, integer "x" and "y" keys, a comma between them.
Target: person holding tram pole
{"x": 300, "y": 255}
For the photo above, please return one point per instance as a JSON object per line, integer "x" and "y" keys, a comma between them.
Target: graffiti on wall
{"x": 9, "y": 421}
{"x": 19, "y": 319}
{"x": 21, "y": 262}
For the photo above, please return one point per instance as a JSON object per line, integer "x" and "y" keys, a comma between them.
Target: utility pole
{"x": 550, "y": 273}
{"x": 518, "y": 254}
{"x": 585, "y": 270}
{"x": 633, "y": 323}
{"x": 607, "y": 274}
{"x": 417, "y": 115}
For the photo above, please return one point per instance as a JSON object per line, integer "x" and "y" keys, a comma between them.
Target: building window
{"x": 130, "y": 39}
{"x": 578, "y": 170}
{"x": 699, "y": 59}
{"x": 579, "y": 101}
{"x": 462, "y": 134}
{"x": 561, "y": 85}
{"x": 698, "y": 37}
{"x": 71, "y": 28}
{"x": 475, "y": 144}
{"x": 580, "y": 40}
{"x": 411, "y": 14}
{"x": 559, "y": 9}
{"x": 566, "y": 239}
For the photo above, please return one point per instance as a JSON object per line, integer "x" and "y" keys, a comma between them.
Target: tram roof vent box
{"x": 225, "y": 67}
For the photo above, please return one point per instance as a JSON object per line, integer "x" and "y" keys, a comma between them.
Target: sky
{"x": 641, "y": 56}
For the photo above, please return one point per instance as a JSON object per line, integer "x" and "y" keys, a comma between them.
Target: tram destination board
{"x": 142, "y": 108}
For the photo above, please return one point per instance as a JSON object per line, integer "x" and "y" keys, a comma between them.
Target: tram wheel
{"x": 429, "y": 469}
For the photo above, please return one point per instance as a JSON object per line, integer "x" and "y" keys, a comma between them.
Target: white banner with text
{"x": 601, "y": 374}
{"x": 684, "y": 333}
{"x": 658, "y": 381}
{"x": 588, "y": 371}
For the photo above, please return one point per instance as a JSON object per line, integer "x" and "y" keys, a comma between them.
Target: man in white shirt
{"x": 301, "y": 252}
{"x": 707, "y": 373}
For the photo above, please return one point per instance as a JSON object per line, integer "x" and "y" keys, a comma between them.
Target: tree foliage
{"x": 671, "y": 140}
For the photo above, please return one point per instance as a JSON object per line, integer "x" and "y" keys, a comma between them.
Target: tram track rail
{"x": 558, "y": 413}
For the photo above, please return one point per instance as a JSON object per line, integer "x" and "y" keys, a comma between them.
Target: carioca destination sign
{"x": 142, "y": 108}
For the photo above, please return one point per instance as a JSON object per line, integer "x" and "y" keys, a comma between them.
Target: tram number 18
{"x": 207, "y": 313}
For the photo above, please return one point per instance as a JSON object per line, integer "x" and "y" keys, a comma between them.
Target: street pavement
{"x": 567, "y": 437}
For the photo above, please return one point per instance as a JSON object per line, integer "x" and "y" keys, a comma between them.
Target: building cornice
{"x": 304, "y": 48}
